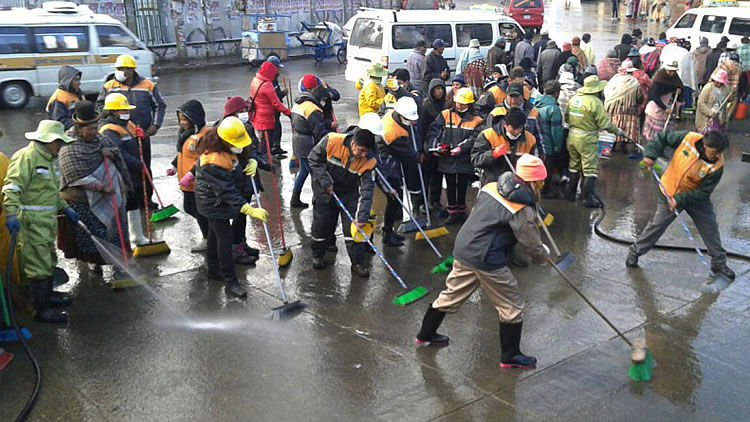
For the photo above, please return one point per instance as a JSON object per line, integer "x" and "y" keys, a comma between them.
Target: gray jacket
{"x": 523, "y": 49}
{"x": 415, "y": 65}
{"x": 545, "y": 69}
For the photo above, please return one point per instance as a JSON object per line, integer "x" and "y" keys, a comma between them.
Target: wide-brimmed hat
{"x": 474, "y": 43}
{"x": 721, "y": 77}
{"x": 49, "y": 131}
{"x": 672, "y": 66}
{"x": 627, "y": 66}
{"x": 85, "y": 114}
{"x": 376, "y": 70}
{"x": 592, "y": 85}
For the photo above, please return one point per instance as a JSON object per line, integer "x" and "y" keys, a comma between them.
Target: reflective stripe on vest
{"x": 491, "y": 189}
{"x": 38, "y": 207}
{"x": 305, "y": 109}
{"x": 686, "y": 170}
{"x": 450, "y": 117}
{"x": 391, "y": 129}
{"x": 12, "y": 187}
{"x": 338, "y": 154}
{"x": 121, "y": 130}
{"x": 523, "y": 146}
{"x": 65, "y": 97}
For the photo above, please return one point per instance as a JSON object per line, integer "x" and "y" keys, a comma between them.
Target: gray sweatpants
{"x": 705, "y": 220}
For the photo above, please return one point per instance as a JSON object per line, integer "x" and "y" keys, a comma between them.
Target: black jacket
{"x": 395, "y": 147}
{"x": 61, "y": 103}
{"x": 455, "y": 130}
{"x": 540, "y": 46}
{"x": 308, "y": 124}
{"x": 433, "y": 66}
{"x": 216, "y": 193}
{"x": 431, "y": 106}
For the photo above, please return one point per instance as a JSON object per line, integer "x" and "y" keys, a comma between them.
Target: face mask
{"x": 513, "y": 137}
{"x": 120, "y": 76}
{"x": 236, "y": 150}
{"x": 244, "y": 117}
{"x": 125, "y": 117}
{"x": 462, "y": 111}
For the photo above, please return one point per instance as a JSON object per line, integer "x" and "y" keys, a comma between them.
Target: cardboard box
{"x": 272, "y": 42}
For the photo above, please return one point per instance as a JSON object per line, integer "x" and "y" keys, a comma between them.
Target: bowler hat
{"x": 84, "y": 113}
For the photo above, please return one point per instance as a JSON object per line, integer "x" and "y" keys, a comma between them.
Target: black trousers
{"x": 325, "y": 217}
{"x": 393, "y": 210}
{"x": 458, "y": 184}
{"x": 219, "y": 252}
{"x": 433, "y": 179}
{"x": 189, "y": 206}
{"x": 276, "y": 133}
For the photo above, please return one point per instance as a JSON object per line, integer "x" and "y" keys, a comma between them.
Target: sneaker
{"x": 723, "y": 270}
{"x": 318, "y": 262}
{"x": 398, "y": 236}
{"x": 235, "y": 289}
{"x": 250, "y": 250}
{"x": 438, "y": 340}
{"x": 241, "y": 257}
{"x": 632, "y": 260}
{"x": 360, "y": 270}
{"x": 454, "y": 218}
{"x": 202, "y": 246}
{"x": 389, "y": 239}
{"x": 519, "y": 361}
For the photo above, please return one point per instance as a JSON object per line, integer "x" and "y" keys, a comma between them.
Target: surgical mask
{"x": 513, "y": 137}
{"x": 120, "y": 76}
{"x": 244, "y": 117}
{"x": 125, "y": 117}
{"x": 462, "y": 111}
{"x": 236, "y": 150}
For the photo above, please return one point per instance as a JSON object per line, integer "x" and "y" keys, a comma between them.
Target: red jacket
{"x": 266, "y": 100}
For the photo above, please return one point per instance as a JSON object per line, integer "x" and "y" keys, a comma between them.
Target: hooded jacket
{"x": 265, "y": 99}
{"x": 545, "y": 67}
{"x": 700, "y": 56}
{"x": 540, "y": 46}
{"x": 61, "y": 103}
{"x": 550, "y": 122}
{"x": 623, "y": 48}
{"x": 188, "y": 139}
{"x": 496, "y": 55}
{"x": 455, "y": 130}
{"x": 503, "y": 215}
{"x": 308, "y": 124}
{"x": 143, "y": 94}
{"x": 568, "y": 88}
{"x": 431, "y": 106}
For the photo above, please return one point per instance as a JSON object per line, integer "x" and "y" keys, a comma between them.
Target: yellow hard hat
{"x": 232, "y": 130}
{"x": 464, "y": 96}
{"x": 117, "y": 101}
{"x": 125, "y": 60}
{"x": 368, "y": 229}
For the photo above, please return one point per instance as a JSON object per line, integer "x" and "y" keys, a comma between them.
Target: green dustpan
{"x": 164, "y": 213}
{"x": 410, "y": 296}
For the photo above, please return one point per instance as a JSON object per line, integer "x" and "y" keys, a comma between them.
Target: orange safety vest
{"x": 491, "y": 189}
{"x": 305, "y": 109}
{"x": 391, "y": 129}
{"x": 687, "y": 169}
{"x": 63, "y": 96}
{"x": 337, "y": 154}
{"x": 122, "y": 131}
{"x": 501, "y": 110}
{"x": 450, "y": 117}
{"x": 496, "y": 139}
{"x": 224, "y": 160}
{"x": 189, "y": 155}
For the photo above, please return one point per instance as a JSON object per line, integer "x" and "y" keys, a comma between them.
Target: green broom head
{"x": 411, "y": 296}
{"x": 642, "y": 371}
{"x": 164, "y": 213}
{"x": 444, "y": 266}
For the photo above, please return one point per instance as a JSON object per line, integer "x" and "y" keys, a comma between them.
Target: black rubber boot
{"x": 60, "y": 300}
{"x": 296, "y": 202}
{"x": 391, "y": 239}
{"x": 235, "y": 289}
{"x": 632, "y": 260}
{"x": 572, "y": 188}
{"x": 360, "y": 270}
{"x": 589, "y": 197}
{"x": 41, "y": 291}
{"x": 318, "y": 262}
{"x": 428, "y": 335}
{"x": 417, "y": 207}
{"x": 510, "y": 348}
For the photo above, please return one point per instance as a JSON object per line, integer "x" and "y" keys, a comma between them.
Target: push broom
{"x": 404, "y": 299}
{"x": 444, "y": 264}
{"x": 431, "y": 232}
{"x": 285, "y": 256}
{"x": 287, "y": 308}
{"x": 641, "y": 361}
{"x": 118, "y": 283}
{"x": 163, "y": 213}
{"x": 564, "y": 260}
{"x": 293, "y": 160}
{"x": 151, "y": 248}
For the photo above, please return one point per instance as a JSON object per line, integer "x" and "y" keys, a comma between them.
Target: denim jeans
{"x": 304, "y": 171}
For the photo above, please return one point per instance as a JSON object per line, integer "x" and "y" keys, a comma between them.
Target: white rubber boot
{"x": 136, "y": 227}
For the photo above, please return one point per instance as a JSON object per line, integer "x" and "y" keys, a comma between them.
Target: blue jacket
{"x": 143, "y": 94}
{"x": 550, "y": 124}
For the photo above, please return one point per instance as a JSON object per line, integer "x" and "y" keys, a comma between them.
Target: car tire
{"x": 15, "y": 94}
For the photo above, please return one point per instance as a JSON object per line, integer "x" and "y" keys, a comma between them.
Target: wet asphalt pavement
{"x": 191, "y": 353}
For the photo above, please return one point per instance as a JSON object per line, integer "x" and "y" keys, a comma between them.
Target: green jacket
{"x": 672, "y": 139}
{"x": 551, "y": 124}
{"x": 32, "y": 183}
{"x": 587, "y": 117}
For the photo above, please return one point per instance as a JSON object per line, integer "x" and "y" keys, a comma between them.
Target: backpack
{"x": 251, "y": 103}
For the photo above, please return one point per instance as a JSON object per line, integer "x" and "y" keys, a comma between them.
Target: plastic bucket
{"x": 606, "y": 143}
{"x": 741, "y": 112}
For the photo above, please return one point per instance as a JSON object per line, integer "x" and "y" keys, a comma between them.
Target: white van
{"x": 712, "y": 23}
{"x": 388, "y": 37}
{"x": 35, "y": 43}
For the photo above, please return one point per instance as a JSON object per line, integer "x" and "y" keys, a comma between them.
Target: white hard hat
{"x": 371, "y": 122}
{"x": 406, "y": 107}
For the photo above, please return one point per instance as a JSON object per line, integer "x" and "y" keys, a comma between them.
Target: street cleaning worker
{"x": 372, "y": 94}
{"x": 145, "y": 96}
{"x": 504, "y": 214}
{"x": 31, "y": 204}
{"x": 696, "y": 168}
{"x": 432, "y": 106}
{"x": 515, "y": 99}
{"x": 452, "y": 134}
{"x": 265, "y": 103}
{"x": 4, "y": 234}
{"x": 68, "y": 93}
{"x": 586, "y": 116}
{"x": 192, "y": 119}
{"x": 343, "y": 163}
{"x": 218, "y": 198}
{"x": 398, "y": 159}
{"x": 507, "y": 136}
{"x": 550, "y": 119}
{"x": 275, "y": 134}
{"x": 308, "y": 128}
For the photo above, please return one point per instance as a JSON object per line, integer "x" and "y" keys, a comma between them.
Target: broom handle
{"x": 421, "y": 178}
{"x": 275, "y": 190}
{"x": 117, "y": 213}
{"x": 369, "y": 242}
{"x": 145, "y": 193}
{"x": 682, "y": 223}
{"x": 388, "y": 185}
{"x": 270, "y": 245}
{"x": 588, "y": 302}
{"x": 288, "y": 87}
{"x": 538, "y": 217}
{"x": 671, "y": 109}
{"x": 151, "y": 182}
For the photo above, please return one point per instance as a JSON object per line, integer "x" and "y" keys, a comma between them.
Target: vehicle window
{"x": 507, "y": 29}
{"x": 687, "y": 21}
{"x": 14, "y": 40}
{"x": 420, "y": 5}
{"x": 480, "y": 31}
{"x": 114, "y": 36}
{"x": 367, "y": 33}
{"x": 740, "y": 26}
{"x": 61, "y": 39}
{"x": 407, "y": 36}
{"x": 714, "y": 24}
{"x": 527, "y": 4}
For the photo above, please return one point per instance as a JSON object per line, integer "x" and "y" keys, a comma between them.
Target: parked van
{"x": 529, "y": 13}
{"x": 35, "y": 43}
{"x": 712, "y": 23}
{"x": 388, "y": 37}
